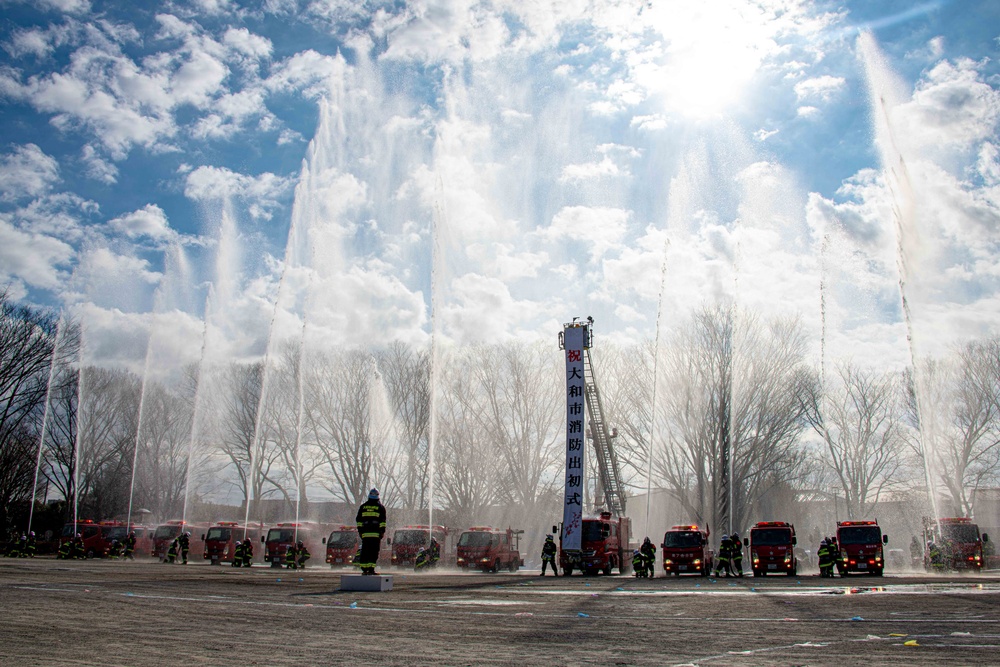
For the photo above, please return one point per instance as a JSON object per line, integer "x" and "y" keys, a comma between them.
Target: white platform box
{"x": 361, "y": 582}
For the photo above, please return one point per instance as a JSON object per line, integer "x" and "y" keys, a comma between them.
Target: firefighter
{"x": 722, "y": 564}
{"x": 648, "y": 551}
{"x": 371, "y": 528}
{"x": 638, "y": 564}
{"x": 237, "y": 555}
{"x": 76, "y": 550}
{"x": 422, "y": 559}
{"x": 435, "y": 552}
{"x": 935, "y": 556}
{"x": 247, "y": 552}
{"x": 175, "y": 545}
{"x": 65, "y": 549}
{"x": 737, "y": 553}
{"x": 303, "y": 555}
{"x": 825, "y": 555}
{"x": 114, "y": 549}
{"x": 129, "y": 552}
{"x": 291, "y": 554}
{"x": 549, "y": 555}
{"x": 831, "y": 542}
{"x": 185, "y": 545}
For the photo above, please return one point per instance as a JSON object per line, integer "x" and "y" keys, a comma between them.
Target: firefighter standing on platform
{"x": 371, "y": 528}
{"x": 549, "y": 555}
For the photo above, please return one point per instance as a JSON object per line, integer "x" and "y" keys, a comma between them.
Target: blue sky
{"x": 622, "y": 159}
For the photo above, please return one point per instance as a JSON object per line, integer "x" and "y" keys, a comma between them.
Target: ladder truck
{"x": 599, "y": 542}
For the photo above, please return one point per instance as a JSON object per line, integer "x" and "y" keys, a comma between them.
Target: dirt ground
{"x": 146, "y": 613}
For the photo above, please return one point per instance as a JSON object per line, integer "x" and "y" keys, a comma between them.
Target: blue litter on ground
{"x": 582, "y": 615}
{"x": 857, "y": 618}
{"x": 354, "y": 605}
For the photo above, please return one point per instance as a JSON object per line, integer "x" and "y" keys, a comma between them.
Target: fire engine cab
{"x": 341, "y": 546}
{"x": 221, "y": 539}
{"x": 686, "y": 550}
{"x": 772, "y": 548}
{"x": 489, "y": 549}
{"x": 953, "y": 543}
{"x": 860, "y": 544}
{"x": 408, "y": 540}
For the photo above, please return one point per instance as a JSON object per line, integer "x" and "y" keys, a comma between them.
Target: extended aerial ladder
{"x": 604, "y": 451}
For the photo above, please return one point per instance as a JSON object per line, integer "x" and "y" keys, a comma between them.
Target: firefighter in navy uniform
{"x": 722, "y": 563}
{"x": 303, "y": 554}
{"x": 237, "y": 554}
{"x": 736, "y": 551}
{"x": 247, "y": 559}
{"x": 129, "y": 546}
{"x": 185, "y": 545}
{"x": 648, "y": 552}
{"x": 549, "y": 555}
{"x": 291, "y": 556}
{"x": 371, "y": 528}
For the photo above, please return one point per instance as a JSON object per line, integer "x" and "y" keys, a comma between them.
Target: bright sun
{"x": 707, "y": 53}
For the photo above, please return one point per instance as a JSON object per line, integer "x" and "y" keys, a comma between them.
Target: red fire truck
{"x": 953, "y": 543}
{"x": 603, "y": 544}
{"x": 685, "y": 549}
{"x": 112, "y": 531}
{"x": 860, "y": 544}
{"x": 221, "y": 539}
{"x": 408, "y": 540}
{"x": 489, "y": 549}
{"x": 167, "y": 531}
{"x": 90, "y": 532}
{"x": 283, "y": 535}
{"x": 341, "y": 546}
{"x": 771, "y": 548}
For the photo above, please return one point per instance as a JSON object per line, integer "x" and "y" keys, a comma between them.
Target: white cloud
{"x": 262, "y": 192}
{"x": 308, "y": 71}
{"x": 821, "y": 88}
{"x": 36, "y": 259}
{"x": 97, "y": 167}
{"x": 27, "y": 172}
{"x": 599, "y": 227}
{"x": 589, "y": 171}
{"x": 148, "y": 222}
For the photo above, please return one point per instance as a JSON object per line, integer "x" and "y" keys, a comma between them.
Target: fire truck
{"x": 117, "y": 530}
{"x": 860, "y": 544}
{"x": 408, "y": 540}
{"x": 489, "y": 549}
{"x": 221, "y": 539}
{"x": 685, "y": 550}
{"x": 772, "y": 548}
{"x": 953, "y": 544}
{"x": 167, "y": 531}
{"x": 283, "y": 535}
{"x": 341, "y": 546}
{"x": 90, "y": 532}
{"x": 604, "y": 537}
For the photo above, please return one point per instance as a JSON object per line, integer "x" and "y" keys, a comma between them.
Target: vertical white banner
{"x": 573, "y": 339}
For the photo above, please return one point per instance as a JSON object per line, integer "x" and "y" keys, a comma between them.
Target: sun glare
{"x": 709, "y": 53}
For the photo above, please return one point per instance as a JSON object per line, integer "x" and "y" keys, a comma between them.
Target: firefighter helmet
{"x": 373, "y": 494}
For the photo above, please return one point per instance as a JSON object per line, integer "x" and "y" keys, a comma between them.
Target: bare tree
{"x": 406, "y": 375}
{"x": 513, "y": 394}
{"x": 162, "y": 460}
{"x": 339, "y": 417}
{"x": 860, "y": 421}
{"x": 732, "y": 413}
{"x": 959, "y": 420}
{"x": 27, "y": 341}
{"x": 239, "y": 395}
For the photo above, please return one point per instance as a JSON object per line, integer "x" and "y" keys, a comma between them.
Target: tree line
{"x": 727, "y": 415}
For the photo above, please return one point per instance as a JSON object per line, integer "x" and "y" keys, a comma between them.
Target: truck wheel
{"x": 568, "y": 570}
{"x": 512, "y": 566}
{"x": 607, "y": 569}
{"x": 877, "y": 573}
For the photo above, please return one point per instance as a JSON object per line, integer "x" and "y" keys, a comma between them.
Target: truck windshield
{"x": 342, "y": 539}
{"x": 116, "y": 533}
{"x": 592, "y": 531}
{"x": 860, "y": 535}
{"x": 166, "y": 532}
{"x": 474, "y": 539}
{"x": 961, "y": 532}
{"x": 220, "y": 534}
{"x": 682, "y": 539}
{"x": 770, "y": 537}
{"x": 280, "y": 535}
{"x": 411, "y": 537}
